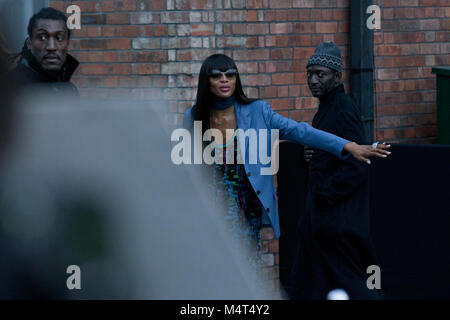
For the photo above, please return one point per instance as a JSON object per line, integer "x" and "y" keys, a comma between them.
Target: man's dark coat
{"x": 335, "y": 247}
{"x": 29, "y": 73}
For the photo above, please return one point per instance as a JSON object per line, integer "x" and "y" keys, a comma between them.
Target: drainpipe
{"x": 361, "y": 64}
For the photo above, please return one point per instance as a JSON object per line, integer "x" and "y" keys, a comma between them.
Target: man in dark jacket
{"x": 335, "y": 247}
{"x": 44, "y": 60}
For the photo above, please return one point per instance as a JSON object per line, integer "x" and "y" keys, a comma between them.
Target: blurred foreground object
{"x": 337, "y": 294}
{"x": 94, "y": 186}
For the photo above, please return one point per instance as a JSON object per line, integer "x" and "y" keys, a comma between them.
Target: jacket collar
{"x": 64, "y": 75}
{"x": 243, "y": 118}
{"x": 326, "y": 102}
{"x": 332, "y": 94}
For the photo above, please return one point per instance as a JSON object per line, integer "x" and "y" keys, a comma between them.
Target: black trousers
{"x": 325, "y": 263}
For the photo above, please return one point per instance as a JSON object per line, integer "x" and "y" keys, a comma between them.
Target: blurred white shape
{"x": 162, "y": 235}
{"x": 337, "y": 294}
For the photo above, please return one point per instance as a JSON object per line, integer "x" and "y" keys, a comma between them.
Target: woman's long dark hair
{"x": 204, "y": 102}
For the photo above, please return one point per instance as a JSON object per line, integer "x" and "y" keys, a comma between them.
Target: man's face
{"x": 321, "y": 80}
{"x": 49, "y": 42}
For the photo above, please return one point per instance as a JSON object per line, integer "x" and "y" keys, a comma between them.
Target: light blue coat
{"x": 259, "y": 115}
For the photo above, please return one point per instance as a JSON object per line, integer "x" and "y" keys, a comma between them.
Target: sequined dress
{"x": 234, "y": 191}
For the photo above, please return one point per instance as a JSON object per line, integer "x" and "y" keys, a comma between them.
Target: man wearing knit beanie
{"x": 335, "y": 248}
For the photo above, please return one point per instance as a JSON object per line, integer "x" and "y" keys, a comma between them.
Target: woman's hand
{"x": 362, "y": 152}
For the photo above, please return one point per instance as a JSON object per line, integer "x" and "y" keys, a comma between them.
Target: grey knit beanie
{"x": 327, "y": 54}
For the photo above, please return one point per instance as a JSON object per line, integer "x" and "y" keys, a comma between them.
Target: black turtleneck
{"x": 330, "y": 95}
{"x": 64, "y": 75}
{"x": 326, "y": 102}
{"x": 29, "y": 72}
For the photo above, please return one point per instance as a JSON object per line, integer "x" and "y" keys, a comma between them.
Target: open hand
{"x": 363, "y": 152}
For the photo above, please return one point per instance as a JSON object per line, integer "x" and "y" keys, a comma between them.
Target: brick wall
{"x": 154, "y": 49}
{"x": 414, "y": 37}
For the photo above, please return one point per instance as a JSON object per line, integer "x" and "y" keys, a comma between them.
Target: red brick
{"x": 151, "y": 56}
{"x": 118, "y": 18}
{"x": 92, "y": 32}
{"x": 267, "y": 234}
{"x": 202, "y": 29}
{"x": 385, "y": 111}
{"x": 160, "y": 31}
{"x": 126, "y": 31}
{"x": 445, "y": 24}
{"x": 161, "y": 81}
{"x": 294, "y": 91}
{"x": 128, "y": 82}
{"x": 252, "y": 16}
{"x": 400, "y": 37}
{"x": 110, "y": 56}
{"x": 303, "y": 53}
{"x": 304, "y": 27}
{"x": 344, "y": 27}
{"x": 432, "y": 24}
{"x": 388, "y": 50}
{"x": 278, "y": 28}
{"x": 95, "y": 56}
{"x": 257, "y": 80}
{"x": 125, "y": 5}
{"x": 431, "y": 48}
{"x": 58, "y": 5}
{"x": 120, "y": 69}
{"x": 107, "y": 5}
{"x": 285, "y": 78}
{"x": 281, "y": 53}
{"x": 390, "y": 86}
{"x": 307, "y": 102}
{"x": 108, "y": 31}
{"x": 300, "y": 78}
{"x": 94, "y": 69}
{"x": 125, "y": 56}
{"x": 283, "y": 91}
{"x": 409, "y": 49}
{"x": 147, "y": 68}
{"x": 257, "y": 4}
{"x": 264, "y": 247}
{"x": 93, "y": 44}
{"x": 280, "y": 3}
{"x": 144, "y": 18}
{"x": 410, "y": 73}
{"x": 429, "y": 3}
{"x": 120, "y": 44}
{"x": 256, "y": 28}
{"x": 253, "y": 54}
{"x": 283, "y": 104}
{"x": 274, "y": 246}
{"x": 95, "y": 82}
{"x": 159, "y": 5}
{"x": 387, "y": 98}
{"x": 192, "y": 4}
{"x": 281, "y": 15}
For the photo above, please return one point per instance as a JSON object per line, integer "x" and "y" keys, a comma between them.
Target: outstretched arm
{"x": 304, "y": 134}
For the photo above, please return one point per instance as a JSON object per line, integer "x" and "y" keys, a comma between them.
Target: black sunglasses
{"x": 217, "y": 74}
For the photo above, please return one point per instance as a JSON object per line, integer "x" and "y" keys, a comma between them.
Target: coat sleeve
{"x": 303, "y": 133}
{"x": 350, "y": 173}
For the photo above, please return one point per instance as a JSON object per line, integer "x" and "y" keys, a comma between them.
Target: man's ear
{"x": 28, "y": 42}
{"x": 338, "y": 76}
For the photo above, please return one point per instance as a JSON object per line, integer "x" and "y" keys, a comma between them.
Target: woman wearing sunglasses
{"x": 221, "y": 104}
